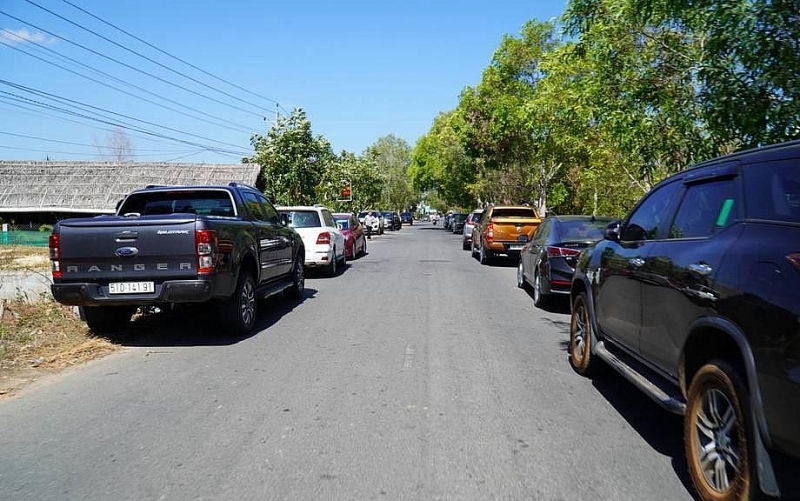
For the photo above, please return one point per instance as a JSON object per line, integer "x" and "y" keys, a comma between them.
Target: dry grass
{"x": 19, "y": 257}
{"x": 41, "y": 337}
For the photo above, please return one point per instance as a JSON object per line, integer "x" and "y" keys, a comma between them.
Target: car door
{"x": 267, "y": 238}
{"x": 680, "y": 269}
{"x": 285, "y": 241}
{"x": 533, "y": 250}
{"x": 618, "y": 300}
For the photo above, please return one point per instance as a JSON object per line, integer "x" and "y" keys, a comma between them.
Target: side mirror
{"x": 285, "y": 219}
{"x": 612, "y": 231}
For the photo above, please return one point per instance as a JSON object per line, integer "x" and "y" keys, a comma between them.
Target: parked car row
{"x": 694, "y": 298}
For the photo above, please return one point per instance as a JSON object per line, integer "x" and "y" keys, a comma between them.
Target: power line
{"x": 3, "y": 146}
{"x": 168, "y": 54}
{"x": 173, "y": 84}
{"x": 107, "y": 121}
{"x": 199, "y": 82}
{"x": 238, "y": 128}
{"x": 72, "y": 102}
{"x": 25, "y": 136}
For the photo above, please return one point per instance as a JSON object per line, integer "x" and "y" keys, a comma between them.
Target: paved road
{"x": 448, "y": 385}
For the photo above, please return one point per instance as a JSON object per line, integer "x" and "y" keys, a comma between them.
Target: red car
{"x": 355, "y": 240}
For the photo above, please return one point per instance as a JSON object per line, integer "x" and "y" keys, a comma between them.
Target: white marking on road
{"x": 409, "y": 356}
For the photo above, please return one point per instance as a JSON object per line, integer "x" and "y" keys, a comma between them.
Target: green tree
{"x": 392, "y": 156}
{"x": 365, "y": 179}
{"x": 293, "y": 161}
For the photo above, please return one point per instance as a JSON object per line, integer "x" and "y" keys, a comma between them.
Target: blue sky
{"x": 360, "y": 70}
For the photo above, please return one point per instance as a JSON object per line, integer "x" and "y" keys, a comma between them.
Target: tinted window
{"x": 518, "y": 212}
{"x": 211, "y": 202}
{"x": 327, "y": 218}
{"x": 705, "y": 208}
{"x": 345, "y": 223}
{"x": 255, "y": 207}
{"x": 541, "y": 232}
{"x": 772, "y": 190}
{"x": 582, "y": 230}
{"x": 269, "y": 211}
{"x": 651, "y": 215}
{"x": 303, "y": 219}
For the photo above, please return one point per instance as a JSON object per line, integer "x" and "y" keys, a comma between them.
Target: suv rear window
{"x": 772, "y": 191}
{"x": 210, "y": 202}
{"x": 303, "y": 218}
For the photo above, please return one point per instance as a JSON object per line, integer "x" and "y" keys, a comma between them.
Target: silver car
{"x": 469, "y": 224}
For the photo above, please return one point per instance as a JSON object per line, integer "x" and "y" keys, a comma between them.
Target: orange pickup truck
{"x": 503, "y": 229}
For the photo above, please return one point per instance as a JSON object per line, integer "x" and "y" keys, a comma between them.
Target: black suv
{"x": 694, "y": 297}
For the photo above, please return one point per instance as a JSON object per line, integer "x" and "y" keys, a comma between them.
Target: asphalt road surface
{"x": 415, "y": 374}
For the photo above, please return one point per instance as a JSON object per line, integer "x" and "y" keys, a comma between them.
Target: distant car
{"x": 391, "y": 220}
{"x": 469, "y": 224}
{"x": 377, "y": 226}
{"x": 407, "y": 218}
{"x": 355, "y": 240}
{"x": 323, "y": 240}
{"x": 457, "y": 220}
{"x": 547, "y": 262}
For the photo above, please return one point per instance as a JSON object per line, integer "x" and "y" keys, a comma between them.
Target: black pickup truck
{"x": 177, "y": 244}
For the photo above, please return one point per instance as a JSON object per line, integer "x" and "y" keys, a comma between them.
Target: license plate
{"x": 522, "y": 238}
{"x": 131, "y": 287}
{"x": 515, "y": 247}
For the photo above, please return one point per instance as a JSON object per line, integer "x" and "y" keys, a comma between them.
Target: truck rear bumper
{"x": 173, "y": 291}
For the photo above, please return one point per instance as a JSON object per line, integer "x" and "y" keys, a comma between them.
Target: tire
{"x": 332, "y": 269}
{"x": 520, "y": 276}
{"x": 343, "y": 261}
{"x": 464, "y": 244}
{"x": 298, "y": 279}
{"x": 485, "y": 256}
{"x": 540, "y": 300}
{"x": 238, "y": 312}
{"x": 718, "y": 431}
{"x": 364, "y": 248}
{"x": 581, "y": 357}
{"x": 472, "y": 251}
{"x": 107, "y": 319}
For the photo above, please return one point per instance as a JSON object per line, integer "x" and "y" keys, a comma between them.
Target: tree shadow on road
{"x": 199, "y": 325}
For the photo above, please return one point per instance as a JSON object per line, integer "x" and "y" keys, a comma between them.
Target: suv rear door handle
{"x": 701, "y": 268}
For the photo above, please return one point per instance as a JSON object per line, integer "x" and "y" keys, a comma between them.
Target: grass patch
{"x": 23, "y": 257}
{"x": 43, "y": 335}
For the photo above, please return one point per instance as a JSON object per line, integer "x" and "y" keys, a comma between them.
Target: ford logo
{"x": 126, "y": 251}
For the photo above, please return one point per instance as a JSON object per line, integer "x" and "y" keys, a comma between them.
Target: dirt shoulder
{"x": 39, "y": 337}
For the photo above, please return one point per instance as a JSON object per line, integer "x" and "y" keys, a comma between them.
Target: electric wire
{"x": 123, "y": 47}
{"x": 237, "y": 127}
{"x": 168, "y": 54}
{"x": 118, "y": 124}
{"x": 104, "y": 56}
{"x": 61, "y": 141}
{"x": 20, "y": 148}
{"x": 74, "y": 103}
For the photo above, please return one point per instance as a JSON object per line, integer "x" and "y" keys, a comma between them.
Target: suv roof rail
{"x": 234, "y": 184}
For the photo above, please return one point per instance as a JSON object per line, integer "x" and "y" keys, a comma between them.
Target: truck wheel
{"x": 718, "y": 435}
{"x": 106, "y": 319}
{"x": 238, "y": 312}
{"x": 581, "y": 357}
{"x": 298, "y": 280}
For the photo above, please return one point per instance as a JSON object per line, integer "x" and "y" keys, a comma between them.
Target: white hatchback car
{"x": 322, "y": 237}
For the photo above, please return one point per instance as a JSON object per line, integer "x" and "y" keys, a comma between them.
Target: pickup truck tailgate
{"x": 123, "y": 249}
{"x": 513, "y": 229}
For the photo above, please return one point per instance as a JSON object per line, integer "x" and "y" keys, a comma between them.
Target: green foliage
{"x": 46, "y": 228}
{"x": 292, "y": 160}
{"x": 391, "y": 157}
{"x": 366, "y": 181}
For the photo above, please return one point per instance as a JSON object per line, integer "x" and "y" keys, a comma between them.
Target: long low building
{"x": 40, "y": 191}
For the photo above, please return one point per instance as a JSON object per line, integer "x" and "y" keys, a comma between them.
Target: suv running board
{"x": 649, "y": 385}
{"x": 274, "y": 288}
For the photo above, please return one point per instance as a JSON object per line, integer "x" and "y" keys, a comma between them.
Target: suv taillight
{"x": 489, "y": 232}
{"x": 324, "y": 238}
{"x": 561, "y": 252}
{"x": 205, "y": 251}
{"x": 55, "y": 256}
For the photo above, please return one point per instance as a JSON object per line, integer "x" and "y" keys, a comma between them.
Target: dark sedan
{"x": 547, "y": 262}
{"x": 457, "y": 222}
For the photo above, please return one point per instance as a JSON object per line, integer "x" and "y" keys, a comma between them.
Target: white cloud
{"x": 22, "y": 35}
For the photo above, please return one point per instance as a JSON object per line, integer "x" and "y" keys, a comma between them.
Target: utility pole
{"x": 277, "y": 112}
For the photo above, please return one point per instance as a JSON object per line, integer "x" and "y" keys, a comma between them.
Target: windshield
{"x": 303, "y": 219}
{"x": 344, "y": 223}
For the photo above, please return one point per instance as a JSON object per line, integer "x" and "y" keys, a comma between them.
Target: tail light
{"x": 324, "y": 238}
{"x": 489, "y": 232}
{"x": 561, "y": 252}
{"x": 55, "y": 256}
{"x": 205, "y": 250}
{"x": 794, "y": 258}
